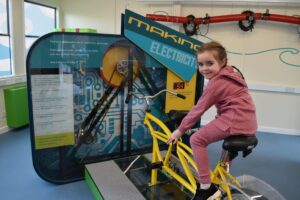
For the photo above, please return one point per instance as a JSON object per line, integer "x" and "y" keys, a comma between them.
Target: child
{"x": 228, "y": 91}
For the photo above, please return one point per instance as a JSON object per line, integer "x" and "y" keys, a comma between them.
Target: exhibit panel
{"x": 77, "y": 85}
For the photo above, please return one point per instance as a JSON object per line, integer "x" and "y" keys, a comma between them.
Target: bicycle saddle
{"x": 234, "y": 144}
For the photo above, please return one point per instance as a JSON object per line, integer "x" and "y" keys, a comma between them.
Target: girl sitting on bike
{"x": 228, "y": 91}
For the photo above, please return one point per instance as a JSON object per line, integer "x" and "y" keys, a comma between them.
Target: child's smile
{"x": 208, "y": 65}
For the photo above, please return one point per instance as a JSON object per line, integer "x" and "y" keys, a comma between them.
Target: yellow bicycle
{"x": 228, "y": 184}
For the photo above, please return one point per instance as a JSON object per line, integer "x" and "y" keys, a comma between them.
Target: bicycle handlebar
{"x": 153, "y": 96}
{"x": 180, "y": 96}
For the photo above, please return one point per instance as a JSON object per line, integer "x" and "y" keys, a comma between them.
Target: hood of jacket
{"x": 229, "y": 72}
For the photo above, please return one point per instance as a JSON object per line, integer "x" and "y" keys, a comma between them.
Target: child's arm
{"x": 207, "y": 100}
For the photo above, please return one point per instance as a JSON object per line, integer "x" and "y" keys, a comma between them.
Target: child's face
{"x": 208, "y": 65}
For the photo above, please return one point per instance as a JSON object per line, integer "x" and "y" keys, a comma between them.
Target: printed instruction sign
{"x": 52, "y": 105}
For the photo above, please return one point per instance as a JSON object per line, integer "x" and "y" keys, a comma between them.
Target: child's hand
{"x": 174, "y": 137}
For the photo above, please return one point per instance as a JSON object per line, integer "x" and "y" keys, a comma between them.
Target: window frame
{"x": 7, "y": 17}
{"x": 8, "y": 35}
{"x": 47, "y": 6}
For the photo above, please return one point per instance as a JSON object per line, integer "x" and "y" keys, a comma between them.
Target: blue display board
{"x": 173, "y": 49}
{"x": 66, "y": 78}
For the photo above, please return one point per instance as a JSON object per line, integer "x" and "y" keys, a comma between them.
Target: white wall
{"x": 96, "y": 14}
{"x": 275, "y": 86}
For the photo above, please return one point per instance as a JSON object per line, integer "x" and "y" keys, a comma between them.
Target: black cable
{"x": 238, "y": 71}
{"x": 250, "y": 19}
{"x": 190, "y": 28}
{"x": 206, "y": 30}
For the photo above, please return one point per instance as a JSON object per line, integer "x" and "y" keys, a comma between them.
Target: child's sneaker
{"x": 211, "y": 193}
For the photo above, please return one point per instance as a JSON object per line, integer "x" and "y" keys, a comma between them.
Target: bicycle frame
{"x": 190, "y": 184}
{"x": 219, "y": 175}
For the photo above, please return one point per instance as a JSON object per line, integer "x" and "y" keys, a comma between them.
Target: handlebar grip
{"x": 127, "y": 98}
{"x": 181, "y": 96}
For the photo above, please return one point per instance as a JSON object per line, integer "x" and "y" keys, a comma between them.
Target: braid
{"x": 238, "y": 71}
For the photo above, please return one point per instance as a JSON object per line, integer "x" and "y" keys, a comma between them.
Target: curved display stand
{"x": 64, "y": 85}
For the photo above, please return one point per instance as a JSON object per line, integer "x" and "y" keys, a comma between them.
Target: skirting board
{"x": 4, "y": 129}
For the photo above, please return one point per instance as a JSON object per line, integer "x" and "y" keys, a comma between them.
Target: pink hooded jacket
{"x": 228, "y": 91}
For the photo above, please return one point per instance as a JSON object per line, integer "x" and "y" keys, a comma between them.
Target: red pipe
{"x": 166, "y": 18}
{"x": 283, "y": 18}
{"x": 226, "y": 18}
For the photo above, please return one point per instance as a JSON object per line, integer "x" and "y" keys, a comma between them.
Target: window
{"x": 39, "y": 20}
{"x": 5, "y": 62}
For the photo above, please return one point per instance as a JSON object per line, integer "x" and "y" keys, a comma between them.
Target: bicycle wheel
{"x": 236, "y": 195}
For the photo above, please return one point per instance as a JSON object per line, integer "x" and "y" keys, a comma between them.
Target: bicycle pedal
{"x": 156, "y": 165}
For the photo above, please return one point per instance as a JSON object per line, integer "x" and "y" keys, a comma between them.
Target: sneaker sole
{"x": 215, "y": 195}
